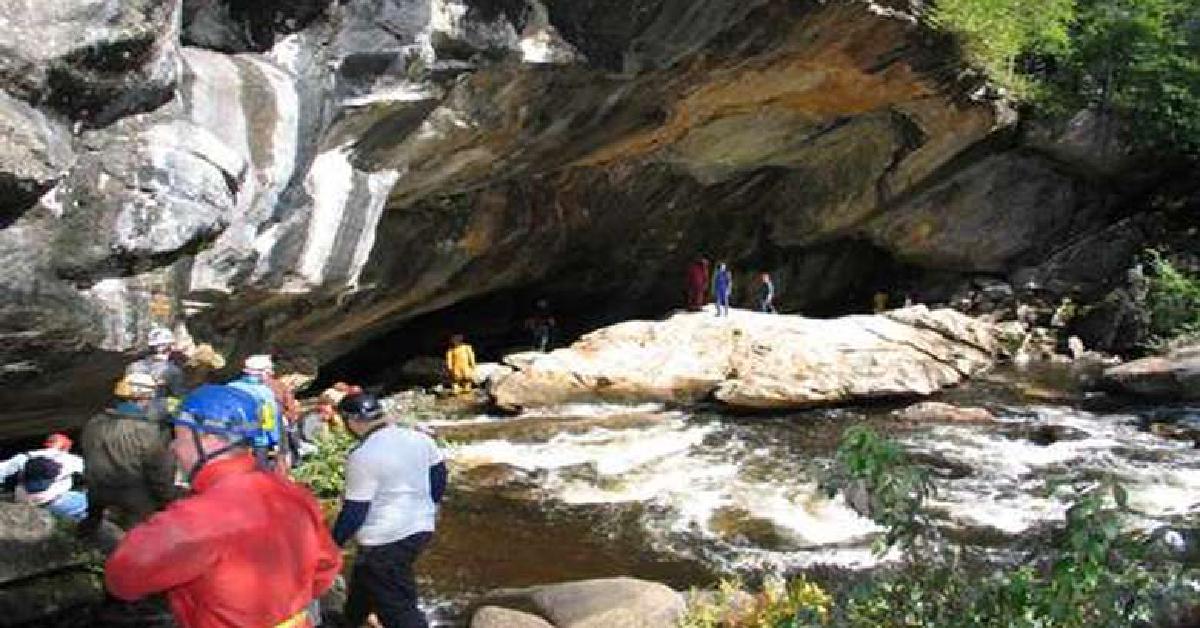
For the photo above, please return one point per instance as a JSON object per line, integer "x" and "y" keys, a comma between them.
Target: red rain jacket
{"x": 247, "y": 549}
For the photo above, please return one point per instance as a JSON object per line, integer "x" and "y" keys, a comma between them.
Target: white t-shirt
{"x": 68, "y": 464}
{"x": 390, "y": 469}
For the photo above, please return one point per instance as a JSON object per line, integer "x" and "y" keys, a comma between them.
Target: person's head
{"x": 765, "y": 276}
{"x": 39, "y": 473}
{"x": 457, "y": 339}
{"x": 160, "y": 340}
{"x": 258, "y": 365}
{"x": 136, "y": 387}
{"x": 58, "y": 441}
{"x": 213, "y": 422}
{"x": 361, "y": 411}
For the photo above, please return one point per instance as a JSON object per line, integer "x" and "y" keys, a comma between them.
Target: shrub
{"x": 1174, "y": 300}
{"x": 324, "y": 471}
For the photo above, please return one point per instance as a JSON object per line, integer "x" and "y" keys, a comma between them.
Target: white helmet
{"x": 160, "y": 336}
{"x": 258, "y": 364}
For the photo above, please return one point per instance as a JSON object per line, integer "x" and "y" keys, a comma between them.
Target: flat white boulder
{"x": 756, "y": 361}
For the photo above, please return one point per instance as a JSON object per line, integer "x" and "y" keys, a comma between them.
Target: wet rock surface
{"x": 1170, "y": 377}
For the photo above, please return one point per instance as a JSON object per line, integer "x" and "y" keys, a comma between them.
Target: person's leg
{"x": 394, "y": 585}
{"x": 359, "y": 602}
{"x": 71, "y": 505}
{"x": 97, "y": 504}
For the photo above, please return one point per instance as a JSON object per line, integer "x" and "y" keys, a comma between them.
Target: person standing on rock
{"x": 722, "y": 288}
{"x": 541, "y": 325}
{"x": 129, "y": 465}
{"x": 46, "y": 477}
{"x": 246, "y": 547}
{"x": 697, "y": 284}
{"x": 766, "y": 294}
{"x": 395, "y": 479}
{"x": 460, "y": 362}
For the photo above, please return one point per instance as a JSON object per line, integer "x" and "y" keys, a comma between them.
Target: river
{"x": 683, "y": 496}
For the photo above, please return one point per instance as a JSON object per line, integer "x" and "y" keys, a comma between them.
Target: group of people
{"x": 200, "y": 479}
{"x": 700, "y": 285}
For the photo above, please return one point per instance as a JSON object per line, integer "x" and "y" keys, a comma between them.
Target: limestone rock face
{"x": 35, "y": 154}
{"x": 314, "y": 174}
{"x": 1173, "y": 376}
{"x": 93, "y": 60}
{"x": 592, "y": 603}
{"x": 756, "y": 361}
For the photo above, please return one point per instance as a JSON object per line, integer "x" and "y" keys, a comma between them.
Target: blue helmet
{"x": 217, "y": 409}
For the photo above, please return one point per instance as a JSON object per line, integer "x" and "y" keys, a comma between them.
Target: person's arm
{"x": 470, "y": 358}
{"x": 352, "y": 516}
{"x": 437, "y": 481}
{"x": 12, "y": 466}
{"x": 437, "y": 470}
{"x": 171, "y": 548}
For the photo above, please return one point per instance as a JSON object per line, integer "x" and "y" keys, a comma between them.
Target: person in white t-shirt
{"x": 46, "y": 478}
{"x": 395, "y": 479}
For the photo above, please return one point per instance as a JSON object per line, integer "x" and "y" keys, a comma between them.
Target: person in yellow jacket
{"x": 460, "y": 361}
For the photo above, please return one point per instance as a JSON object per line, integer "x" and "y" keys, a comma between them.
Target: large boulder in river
{"x": 1173, "y": 376}
{"x": 599, "y": 603}
{"x": 756, "y": 361}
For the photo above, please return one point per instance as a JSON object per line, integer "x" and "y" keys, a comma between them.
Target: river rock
{"x": 599, "y": 603}
{"x": 497, "y": 617}
{"x": 32, "y": 543}
{"x": 1173, "y": 376}
{"x": 938, "y": 411}
{"x": 756, "y": 361}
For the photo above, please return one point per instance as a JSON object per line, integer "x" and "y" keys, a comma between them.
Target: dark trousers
{"x": 383, "y": 582}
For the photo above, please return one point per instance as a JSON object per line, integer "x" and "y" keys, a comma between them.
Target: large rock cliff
{"x": 309, "y": 175}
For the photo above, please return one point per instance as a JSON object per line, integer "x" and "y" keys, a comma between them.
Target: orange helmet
{"x": 59, "y": 441}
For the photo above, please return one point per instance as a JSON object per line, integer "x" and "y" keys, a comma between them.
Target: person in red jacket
{"x": 246, "y": 549}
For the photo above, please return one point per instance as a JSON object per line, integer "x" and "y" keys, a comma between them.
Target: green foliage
{"x": 1174, "y": 299}
{"x": 878, "y": 469}
{"x": 1139, "y": 59}
{"x": 996, "y": 33}
{"x": 780, "y": 604}
{"x": 324, "y": 472}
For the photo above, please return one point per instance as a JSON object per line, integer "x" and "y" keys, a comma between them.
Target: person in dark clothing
{"x": 766, "y": 294}
{"x": 722, "y": 288}
{"x": 128, "y": 462}
{"x": 541, "y": 325}
{"x": 697, "y": 284}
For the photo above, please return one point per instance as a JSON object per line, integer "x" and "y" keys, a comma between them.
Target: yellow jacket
{"x": 460, "y": 361}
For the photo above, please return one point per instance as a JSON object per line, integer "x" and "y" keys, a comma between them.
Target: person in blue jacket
{"x": 722, "y": 288}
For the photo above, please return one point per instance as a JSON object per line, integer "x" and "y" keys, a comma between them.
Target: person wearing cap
{"x": 253, "y": 381}
{"x": 395, "y": 479}
{"x": 129, "y": 468}
{"x": 159, "y": 365}
{"x": 46, "y": 477}
{"x": 246, "y": 547}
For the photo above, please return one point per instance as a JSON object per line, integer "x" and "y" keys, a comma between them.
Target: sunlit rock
{"x": 756, "y": 361}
